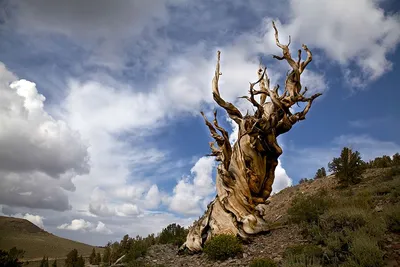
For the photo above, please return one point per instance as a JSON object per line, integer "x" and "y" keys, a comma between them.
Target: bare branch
{"x": 251, "y": 99}
{"x": 276, "y": 88}
{"x": 216, "y": 152}
{"x": 284, "y": 94}
{"x": 299, "y": 59}
{"x": 307, "y": 99}
{"x": 224, "y": 152}
{"x": 305, "y": 91}
{"x": 286, "y": 123}
{"x": 273, "y": 94}
{"x": 220, "y": 140}
{"x": 278, "y": 57}
{"x": 264, "y": 84}
{"x": 217, "y": 74}
{"x": 232, "y": 111}
{"x": 304, "y": 64}
{"x": 302, "y": 115}
{"x": 219, "y": 128}
{"x": 285, "y": 49}
{"x": 277, "y": 37}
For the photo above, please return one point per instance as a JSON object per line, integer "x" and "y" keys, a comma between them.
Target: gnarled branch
{"x": 224, "y": 152}
{"x": 287, "y": 122}
{"x": 285, "y": 49}
{"x": 303, "y": 65}
{"x": 220, "y": 140}
{"x": 232, "y": 111}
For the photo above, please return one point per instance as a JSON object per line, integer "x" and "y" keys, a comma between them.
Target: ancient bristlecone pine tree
{"x": 247, "y": 170}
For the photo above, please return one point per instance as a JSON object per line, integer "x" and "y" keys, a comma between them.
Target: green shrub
{"x": 362, "y": 199}
{"x": 395, "y": 171}
{"x": 339, "y": 226}
{"x": 388, "y": 190}
{"x": 337, "y": 219}
{"x": 222, "y": 247}
{"x": 365, "y": 252}
{"x": 300, "y": 261}
{"x": 309, "y": 251}
{"x": 337, "y": 246}
{"x": 392, "y": 218}
{"x": 308, "y": 208}
{"x": 314, "y": 233}
{"x": 382, "y": 190}
{"x": 375, "y": 228}
{"x": 263, "y": 262}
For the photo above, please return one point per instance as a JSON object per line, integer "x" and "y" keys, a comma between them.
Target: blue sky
{"x": 103, "y": 136}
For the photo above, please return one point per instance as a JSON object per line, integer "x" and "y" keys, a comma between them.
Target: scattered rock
{"x": 378, "y": 209}
{"x": 270, "y": 245}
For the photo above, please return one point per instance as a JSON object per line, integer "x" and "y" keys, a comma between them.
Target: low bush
{"x": 336, "y": 231}
{"x": 337, "y": 246}
{"x": 394, "y": 171}
{"x": 308, "y": 251}
{"x": 337, "y": 219}
{"x": 365, "y": 252}
{"x": 363, "y": 199}
{"x": 307, "y": 209}
{"x": 222, "y": 247}
{"x": 300, "y": 261}
{"x": 388, "y": 189}
{"x": 392, "y": 218}
{"x": 263, "y": 262}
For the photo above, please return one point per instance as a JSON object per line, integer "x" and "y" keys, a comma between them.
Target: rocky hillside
{"x": 36, "y": 243}
{"x": 376, "y": 183}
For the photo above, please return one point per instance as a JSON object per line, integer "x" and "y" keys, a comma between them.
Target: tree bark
{"x": 247, "y": 170}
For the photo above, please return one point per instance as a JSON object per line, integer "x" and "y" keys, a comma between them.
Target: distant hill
{"x": 36, "y": 242}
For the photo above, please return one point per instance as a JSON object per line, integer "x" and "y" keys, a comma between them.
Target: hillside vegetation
{"x": 350, "y": 218}
{"x": 36, "y": 243}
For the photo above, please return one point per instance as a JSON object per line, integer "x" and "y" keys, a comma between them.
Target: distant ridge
{"x": 35, "y": 241}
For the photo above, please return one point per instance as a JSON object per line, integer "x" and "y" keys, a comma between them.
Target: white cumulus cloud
{"x": 82, "y": 225}
{"x": 190, "y": 195}
{"x": 35, "y": 148}
{"x": 357, "y": 32}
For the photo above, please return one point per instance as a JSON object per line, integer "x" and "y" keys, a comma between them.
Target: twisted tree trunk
{"x": 246, "y": 172}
